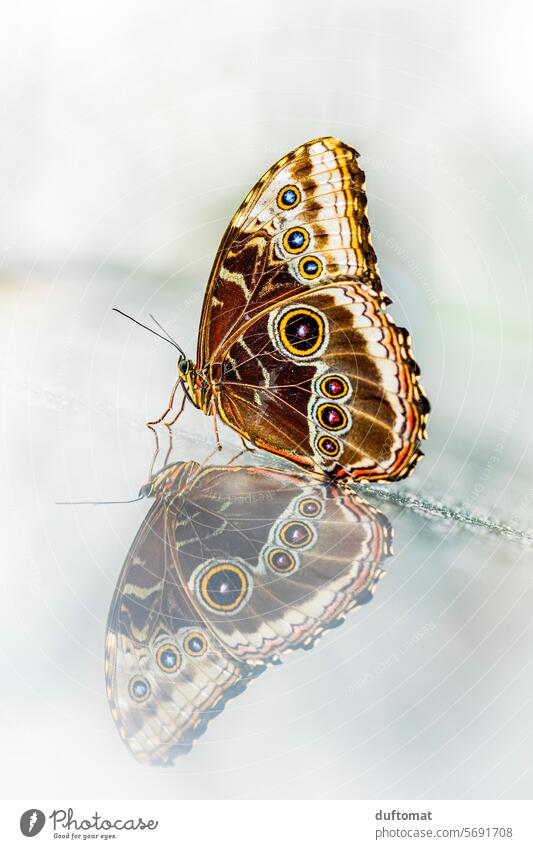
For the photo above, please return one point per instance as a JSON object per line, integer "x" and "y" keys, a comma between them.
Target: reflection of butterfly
{"x": 232, "y": 567}
{"x": 295, "y": 350}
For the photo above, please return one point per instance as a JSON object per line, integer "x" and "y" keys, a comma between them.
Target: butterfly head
{"x": 198, "y": 385}
{"x": 170, "y": 480}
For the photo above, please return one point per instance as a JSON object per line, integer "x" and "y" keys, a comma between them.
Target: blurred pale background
{"x": 130, "y": 133}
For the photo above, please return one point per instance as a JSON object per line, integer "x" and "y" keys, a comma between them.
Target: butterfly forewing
{"x": 160, "y": 696}
{"x": 303, "y": 223}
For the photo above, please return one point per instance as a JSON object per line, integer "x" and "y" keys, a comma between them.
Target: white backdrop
{"x": 130, "y": 133}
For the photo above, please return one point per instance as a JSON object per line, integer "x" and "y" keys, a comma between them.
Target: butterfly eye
{"x": 310, "y": 507}
{"x": 183, "y": 366}
{"x": 281, "y": 561}
{"x": 168, "y": 658}
{"x": 328, "y": 446}
{"x": 334, "y": 386}
{"x": 302, "y": 332}
{"x": 296, "y": 240}
{"x": 139, "y": 689}
{"x": 195, "y": 644}
{"x": 332, "y": 416}
{"x": 224, "y": 586}
{"x": 289, "y": 197}
{"x": 296, "y": 534}
{"x": 310, "y": 267}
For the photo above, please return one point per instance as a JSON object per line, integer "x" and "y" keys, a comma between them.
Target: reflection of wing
{"x": 292, "y": 559}
{"x": 161, "y": 697}
{"x": 226, "y": 574}
{"x": 304, "y": 223}
{"x": 328, "y": 381}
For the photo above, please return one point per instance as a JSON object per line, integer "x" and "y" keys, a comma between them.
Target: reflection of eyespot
{"x": 331, "y": 416}
{"x": 289, "y": 197}
{"x": 301, "y": 331}
{"x": 310, "y": 507}
{"x": 281, "y": 561}
{"x": 168, "y": 658}
{"x": 295, "y": 240}
{"x": 310, "y": 267}
{"x": 139, "y": 689}
{"x": 195, "y": 644}
{"x": 224, "y": 586}
{"x": 364, "y": 597}
{"x": 296, "y": 534}
{"x": 328, "y": 446}
{"x": 334, "y": 386}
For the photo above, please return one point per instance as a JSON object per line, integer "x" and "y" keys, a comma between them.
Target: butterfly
{"x": 232, "y": 567}
{"x": 296, "y": 352}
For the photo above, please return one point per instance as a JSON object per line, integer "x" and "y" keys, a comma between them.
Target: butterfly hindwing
{"x": 328, "y": 381}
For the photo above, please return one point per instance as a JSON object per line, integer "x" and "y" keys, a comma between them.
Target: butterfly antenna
{"x": 97, "y": 503}
{"x": 167, "y": 334}
{"x": 150, "y": 329}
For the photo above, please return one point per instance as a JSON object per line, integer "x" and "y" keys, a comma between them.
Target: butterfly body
{"x": 296, "y": 351}
{"x": 232, "y": 568}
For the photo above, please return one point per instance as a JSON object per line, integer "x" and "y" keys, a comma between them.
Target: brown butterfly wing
{"x": 293, "y": 558}
{"x": 328, "y": 381}
{"x": 159, "y": 710}
{"x": 310, "y": 207}
{"x": 182, "y": 635}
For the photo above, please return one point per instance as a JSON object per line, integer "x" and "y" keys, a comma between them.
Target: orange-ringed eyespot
{"x": 224, "y": 586}
{"x": 329, "y": 446}
{"x": 139, "y": 689}
{"x": 310, "y": 267}
{"x": 296, "y": 534}
{"x": 195, "y": 644}
{"x": 289, "y": 197}
{"x": 310, "y": 507}
{"x": 334, "y": 386}
{"x": 296, "y": 240}
{"x": 168, "y": 658}
{"x": 281, "y": 561}
{"x": 331, "y": 417}
{"x": 301, "y": 331}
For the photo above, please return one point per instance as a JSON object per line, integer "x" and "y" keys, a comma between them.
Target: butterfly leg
{"x": 178, "y": 414}
{"x": 169, "y": 407}
{"x": 218, "y": 446}
{"x": 217, "y": 434}
{"x": 156, "y": 450}
{"x": 245, "y": 450}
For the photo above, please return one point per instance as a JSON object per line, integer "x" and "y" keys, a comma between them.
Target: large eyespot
{"x": 334, "y": 386}
{"x": 281, "y": 561}
{"x": 195, "y": 644}
{"x": 224, "y": 587}
{"x": 296, "y": 240}
{"x": 168, "y": 657}
{"x": 296, "y": 534}
{"x": 310, "y": 267}
{"x": 301, "y": 331}
{"x": 289, "y": 197}
{"x": 328, "y": 446}
{"x": 139, "y": 689}
{"x": 310, "y": 507}
{"x": 331, "y": 416}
